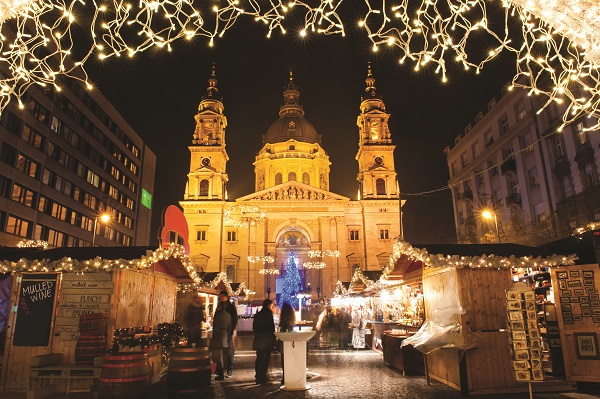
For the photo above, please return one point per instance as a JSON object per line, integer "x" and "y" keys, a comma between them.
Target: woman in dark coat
{"x": 220, "y": 337}
{"x": 287, "y": 321}
{"x": 264, "y": 340}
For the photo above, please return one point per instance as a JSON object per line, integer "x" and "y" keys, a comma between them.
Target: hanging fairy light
{"x": 314, "y": 265}
{"x": 319, "y": 254}
{"x": 555, "y": 42}
{"x": 244, "y": 215}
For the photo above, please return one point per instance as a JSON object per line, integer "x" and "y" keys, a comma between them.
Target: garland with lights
{"x": 222, "y": 277}
{"x": 554, "y": 41}
{"x": 589, "y": 227}
{"x": 98, "y": 264}
{"x": 358, "y": 275}
{"x": 246, "y": 215}
{"x": 473, "y": 262}
{"x": 340, "y": 290}
{"x": 33, "y": 244}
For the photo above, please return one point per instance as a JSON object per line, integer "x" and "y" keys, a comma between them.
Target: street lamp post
{"x": 104, "y": 218}
{"x": 487, "y": 214}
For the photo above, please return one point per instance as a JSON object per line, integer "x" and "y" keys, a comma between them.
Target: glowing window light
{"x": 563, "y": 35}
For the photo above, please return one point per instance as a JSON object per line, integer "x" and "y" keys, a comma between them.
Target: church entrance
{"x": 292, "y": 245}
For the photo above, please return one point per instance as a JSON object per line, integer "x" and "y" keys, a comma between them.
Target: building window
{"x": 355, "y": 267}
{"x": 292, "y": 176}
{"x": 230, "y": 270}
{"x": 559, "y": 150}
{"x": 278, "y": 178}
{"x": 22, "y": 195}
{"x": 204, "y": 188}
{"x": 463, "y": 160}
{"x": 17, "y": 226}
{"x": 538, "y": 210}
{"x": 384, "y": 233}
{"x": 201, "y": 235}
{"x": 231, "y": 235}
{"x": 461, "y": 218}
{"x": 589, "y": 176}
{"x": 380, "y": 186}
{"x": 453, "y": 169}
{"x": 354, "y": 235}
{"x": 567, "y": 187}
{"x": 474, "y": 150}
{"x": 492, "y": 168}
{"x": 306, "y": 178}
{"x": 503, "y": 123}
{"x": 520, "y": 110}
{"x": 488, "y": 138}
{"x": 534, "y": 179}
{"x": 580, "y": 136}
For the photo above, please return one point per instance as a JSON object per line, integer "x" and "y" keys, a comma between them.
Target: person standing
{"x": 194, "y": 317}
{"x": 230, "y": 307}
{"x": 264, "y": 340}
{"x": 219, "y": 344}
{"x": 287, "y": 321}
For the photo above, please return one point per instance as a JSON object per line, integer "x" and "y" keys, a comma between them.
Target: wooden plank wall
{"x": 576, "y": 322}
{"x": 164, "y": 299}
{"x": 482, "y": 295}
{"x": 133, "y": 301}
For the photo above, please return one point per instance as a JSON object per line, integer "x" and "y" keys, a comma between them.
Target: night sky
{"x": 158, "y": 94}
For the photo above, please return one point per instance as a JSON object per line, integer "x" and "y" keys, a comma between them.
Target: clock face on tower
{"x": 378, "y": 161}
{"x": 209, "y": 125}
{"x": 205, "y": 161}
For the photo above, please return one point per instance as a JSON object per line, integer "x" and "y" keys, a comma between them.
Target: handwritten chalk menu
{"x": 525, "y": 340}
{"x": 34, "y": 312}
{"x": 82, "y": 294}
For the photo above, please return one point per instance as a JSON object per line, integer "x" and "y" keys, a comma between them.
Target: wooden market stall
{"x": 464, "y": 287}
{"x": 126, "y": 286}
{"x": 405, "y": 306}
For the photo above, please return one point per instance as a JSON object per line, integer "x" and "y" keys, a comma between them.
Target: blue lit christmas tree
{"x": 291, "y": 283}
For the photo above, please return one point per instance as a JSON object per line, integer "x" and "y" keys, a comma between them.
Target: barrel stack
{"x": 92, "y": 339}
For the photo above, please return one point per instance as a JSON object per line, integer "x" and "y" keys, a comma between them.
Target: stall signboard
{"x": 35, "y": 309}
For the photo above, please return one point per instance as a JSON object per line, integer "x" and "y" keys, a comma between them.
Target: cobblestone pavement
{"x": 346, "y": 375}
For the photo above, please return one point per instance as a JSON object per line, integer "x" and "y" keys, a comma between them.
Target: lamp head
{"x": 105, "y": 217}
{"x": 487, "y": 214}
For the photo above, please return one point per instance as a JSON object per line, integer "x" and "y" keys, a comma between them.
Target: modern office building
{"x": 66, "y": 158}
{"x": 538, "y": 184}
{"x": 292, "y": 209}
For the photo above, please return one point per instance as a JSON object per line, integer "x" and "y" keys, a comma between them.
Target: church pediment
{"x": 293, "y": 190}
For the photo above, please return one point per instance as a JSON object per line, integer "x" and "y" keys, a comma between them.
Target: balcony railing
{"x": 508, "y": 166}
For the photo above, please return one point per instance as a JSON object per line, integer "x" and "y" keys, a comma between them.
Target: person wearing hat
{"x": 230, "y": 308}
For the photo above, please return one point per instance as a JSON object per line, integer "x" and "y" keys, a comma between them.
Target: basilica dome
{"x": 291, "y": 127}
{"x": 291, "y": 124}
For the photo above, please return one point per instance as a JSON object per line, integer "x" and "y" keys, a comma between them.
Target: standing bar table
{"x": 294, "y": 349}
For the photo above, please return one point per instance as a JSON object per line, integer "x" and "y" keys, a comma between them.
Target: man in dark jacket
{"x": 230, "y": 307}
{"x": 264, "y": 340}
{"x": 193, "y": 319}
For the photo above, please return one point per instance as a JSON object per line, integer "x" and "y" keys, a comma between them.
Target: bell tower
{"x": 207, "y": 178}
{"x": 376, "y": 171}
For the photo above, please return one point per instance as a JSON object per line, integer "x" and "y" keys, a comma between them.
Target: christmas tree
{"x": 291, "y": 283}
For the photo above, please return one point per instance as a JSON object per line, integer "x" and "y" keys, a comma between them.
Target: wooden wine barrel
{"x": 92, "y": 324}
{"x": 189, "y": 372}
{"x": 88, "y": 347}
{"x": 125, "y": 375}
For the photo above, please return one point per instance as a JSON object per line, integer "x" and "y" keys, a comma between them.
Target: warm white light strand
{"x": 555, "y": 42}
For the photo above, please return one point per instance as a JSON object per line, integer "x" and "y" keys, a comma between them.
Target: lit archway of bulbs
{"x": 555, "y": 42}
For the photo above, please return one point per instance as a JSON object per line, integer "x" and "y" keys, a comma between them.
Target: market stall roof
{"x": 496, "y": 256}
{"x": 362, "y": 280}
{"x": 49, "y": 259}
{"x": 584, "y": 245}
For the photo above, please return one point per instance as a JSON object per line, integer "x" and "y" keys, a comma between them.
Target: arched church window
{"x": 278, "y": 178}
{"x": 380, "y": 186}
{"x": 203, "y": 188}
{"x": 305, "y": 178}
{"x": 230, "y": 270}
{"x": 292, "y": 176}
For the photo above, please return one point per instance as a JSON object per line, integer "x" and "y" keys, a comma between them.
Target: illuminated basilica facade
{"x": 292, "y": 208}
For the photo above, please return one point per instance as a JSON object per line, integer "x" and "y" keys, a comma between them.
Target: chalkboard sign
{"x": 34, "y": 314}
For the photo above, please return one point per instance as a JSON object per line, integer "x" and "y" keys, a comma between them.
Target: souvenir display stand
{"x": 576, "y": 293}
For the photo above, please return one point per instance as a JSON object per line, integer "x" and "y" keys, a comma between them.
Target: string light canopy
{"x": 474, "y": 262}
{"x": 554, "y": 42}
{"x": 244, "y": 215}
